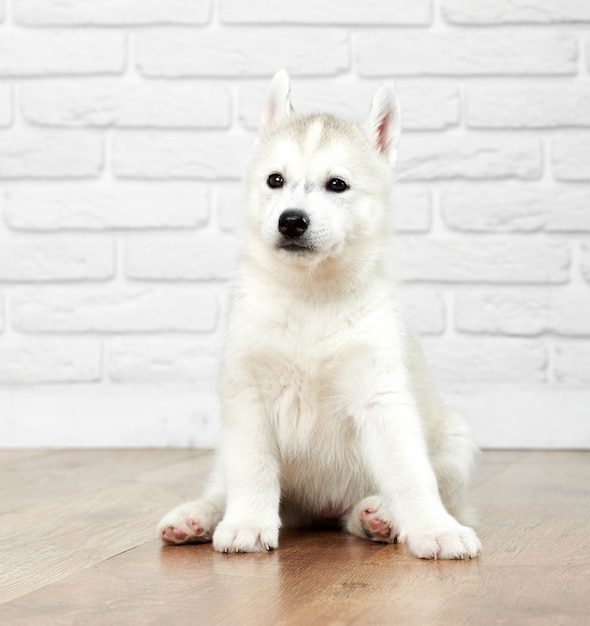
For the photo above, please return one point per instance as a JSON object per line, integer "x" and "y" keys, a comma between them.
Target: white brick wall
{"x": 124, "y": 130}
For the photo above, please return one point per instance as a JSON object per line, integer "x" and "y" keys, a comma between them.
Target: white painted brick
{"x": 230, "y": 206}
{"x": 516, "y": 52}
{"x": 510, "y": 12}
{"x": 396, "y": 12}
{"x": 571, "y": 156}
{"x": 169, "y": 154}
{"x": 63, "y": 258}
{"x": 49, "y": 360}
{"x": 5, "y": 105}
{"x": 572, "y": 363}
{"x": 242, "y": 52}
{"x": 115, "y": 310}
{"x": 110, "y": 12}
{"x": 440, "y": 157}
{"x": 1, "y": 311}
{"x": 55, "y": 52}
{"x": 205, "y": 256}
{"x": 530, "y": 312}
{"x": 483, "y": 260}
{"x": 425, "y": 105}
{"x": 99, "y": 206}
{"x": 470, "y": 360}
{"x": 424, "y": 310}
{"x": 585, "y": 254}
{"x": 111, "y": 102}
{"x": 411, "y": 209}
{"x": 528, "y": 106}
{"x": 515, "y": 208}
{"x": 50, "y": 154}
{"x": 164, "y": 360}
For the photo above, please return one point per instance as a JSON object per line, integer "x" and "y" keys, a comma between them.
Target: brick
{"x": 115, "y": 310}
{"x": 39, "y": 259}
{"x": 109, "y": 102}
{"x": 511, "y": 208}
{"x": 101, "y": 13}
{"x": 49, "y": 360}
{"x": 168, "y": 154}
{"x": 5, "y": 105}
{"x": 100, "y": 206}
{"x": 572, "y": 363}
{"x": 50, "y": 154}
{"x": 483, "y": 260}
{"x": 563, "y": 312}
{"x": 240, "y": 52}
{"x": 205, "y": 257}
{"x": 425, "y": 105}
{"x": 528, "y": 106}
{"x": 424, "y": 310}
{"x": 469, "y": 157}
{"x": 486, "y": 360}
{"x": 327, "y": 12}
{"x": 517, "y": 52}
{"x": 571, "y": 156}
{"x": 55, "y": 52}
{"x": 510, "y": 12}
{"x": 230, "y": 207}
{"x": 164, "y": 360}
{"x": 411, "y": 209}
{"x": 585, "y": 260}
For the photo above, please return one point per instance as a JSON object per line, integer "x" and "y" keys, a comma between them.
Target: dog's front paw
{"x": 245, "y": 537}
{"x": 450, "y": 540}
{"x": 193, "y": 522}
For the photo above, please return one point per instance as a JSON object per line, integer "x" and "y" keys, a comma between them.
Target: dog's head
{"x": 319, "y": 184}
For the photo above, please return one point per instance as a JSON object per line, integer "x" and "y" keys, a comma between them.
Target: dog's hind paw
{"x": 193, "y": 522}
{"x": 370, "y": 519}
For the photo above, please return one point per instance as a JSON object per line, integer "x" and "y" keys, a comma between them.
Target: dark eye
{"x": 275, "y": 181}
{"x": 337, "y": 185}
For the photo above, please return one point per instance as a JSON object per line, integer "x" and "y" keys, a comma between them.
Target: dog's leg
{"x": 396, "y": 457}
{"x": 195, "y": 522}
{"x": 251, "y": 522}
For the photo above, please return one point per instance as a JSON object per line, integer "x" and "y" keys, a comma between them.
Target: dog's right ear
{"x": 278, "y": 103}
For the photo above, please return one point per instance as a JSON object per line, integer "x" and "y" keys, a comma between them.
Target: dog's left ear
{"x": 278, "y": 102}
{"x": 384, "y": 121}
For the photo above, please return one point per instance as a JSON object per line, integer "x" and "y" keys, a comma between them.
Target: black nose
{"x": 293, "y": 224}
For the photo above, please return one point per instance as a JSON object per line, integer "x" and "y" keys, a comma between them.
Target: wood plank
{"x": 90, "y": 507}
{"x": 535, "y": 512}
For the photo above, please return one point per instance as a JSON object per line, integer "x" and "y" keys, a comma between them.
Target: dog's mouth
{"x": 300, "y": 248}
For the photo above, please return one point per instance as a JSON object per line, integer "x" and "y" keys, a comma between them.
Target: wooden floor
{"x": 77, "y": 546}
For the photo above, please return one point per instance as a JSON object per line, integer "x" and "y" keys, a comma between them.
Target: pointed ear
{"x": 278, "y": 103}
{"x": 384, "y": 121}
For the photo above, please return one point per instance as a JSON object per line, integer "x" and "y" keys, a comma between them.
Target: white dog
{"x": 327, "y": 408}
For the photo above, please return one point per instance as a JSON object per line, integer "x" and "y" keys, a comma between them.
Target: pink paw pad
{"x": 375, "y": 528}
{"x": 174, "y": 534}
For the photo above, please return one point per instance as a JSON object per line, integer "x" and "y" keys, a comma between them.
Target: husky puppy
{"x": 327, "y": 407}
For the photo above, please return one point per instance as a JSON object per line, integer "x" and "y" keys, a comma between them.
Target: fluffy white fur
{"x": 328, "y": 410}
